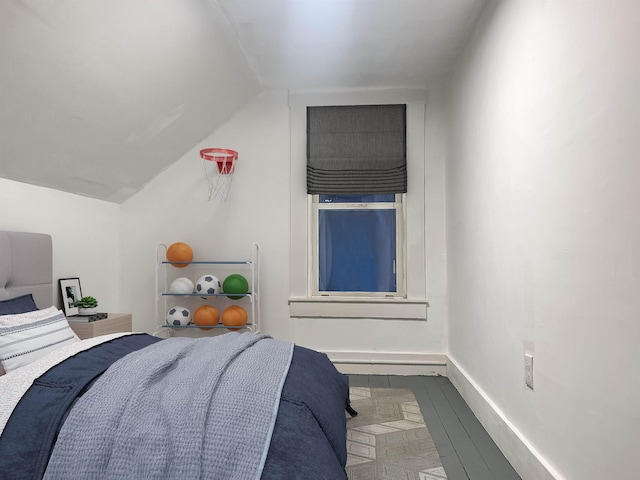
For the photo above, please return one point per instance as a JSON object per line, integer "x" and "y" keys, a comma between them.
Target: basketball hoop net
{"x": 218, "y": 165}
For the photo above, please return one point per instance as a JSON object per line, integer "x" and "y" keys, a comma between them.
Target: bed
{"x": 132, "y": 405}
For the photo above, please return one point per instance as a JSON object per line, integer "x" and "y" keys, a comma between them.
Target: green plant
{"x": 87, "y": 302}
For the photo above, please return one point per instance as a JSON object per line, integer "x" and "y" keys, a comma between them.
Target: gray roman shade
{"x": 359, "y": 149}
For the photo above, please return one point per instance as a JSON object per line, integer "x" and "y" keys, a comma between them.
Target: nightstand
{"x": 114, "y": 323}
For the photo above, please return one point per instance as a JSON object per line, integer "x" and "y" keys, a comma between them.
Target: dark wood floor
{"x": 466, "y": 450}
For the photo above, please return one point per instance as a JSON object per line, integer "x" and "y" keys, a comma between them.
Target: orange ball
{"x": 179, "y": 252}
{"x": 206, "y": 316}
{"x": 235, "y": 316}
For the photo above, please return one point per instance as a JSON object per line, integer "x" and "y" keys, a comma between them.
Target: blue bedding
{"x": 308, "y": 439}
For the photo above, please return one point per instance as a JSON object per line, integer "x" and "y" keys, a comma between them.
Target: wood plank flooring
{"x": 466, "y": 450}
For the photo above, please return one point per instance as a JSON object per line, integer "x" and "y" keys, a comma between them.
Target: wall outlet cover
{"x": 528, "y": 370}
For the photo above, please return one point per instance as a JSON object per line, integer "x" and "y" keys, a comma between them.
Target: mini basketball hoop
{"x": 219, "y": 165}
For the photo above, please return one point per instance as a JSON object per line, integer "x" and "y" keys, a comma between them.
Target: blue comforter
{"x": 308, "y": 440}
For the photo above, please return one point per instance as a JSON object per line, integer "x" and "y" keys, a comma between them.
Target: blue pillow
{"x": 22, "y": 304}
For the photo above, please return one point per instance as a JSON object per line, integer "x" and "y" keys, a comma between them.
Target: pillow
{"x": 23, "y": 343}
{"x": 27, "y": 317}
{"x": 22, "y": 304}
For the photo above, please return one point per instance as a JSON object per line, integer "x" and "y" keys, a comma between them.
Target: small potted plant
{"x": 87, "y": 306}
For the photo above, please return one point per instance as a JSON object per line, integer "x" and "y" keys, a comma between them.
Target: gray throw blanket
{"x": 182, "y": 408}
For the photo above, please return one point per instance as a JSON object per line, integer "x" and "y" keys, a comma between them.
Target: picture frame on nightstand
{"x": 70, "y": 293}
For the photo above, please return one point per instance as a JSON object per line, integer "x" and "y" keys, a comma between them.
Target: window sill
{"x": 350, "y": 307}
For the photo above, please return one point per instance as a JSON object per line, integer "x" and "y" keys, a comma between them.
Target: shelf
{"x": 207, "y": 327}
{"x": 249, "y": 294}
{"x": 165, "y": 300}
{"x": 200, "y": 262}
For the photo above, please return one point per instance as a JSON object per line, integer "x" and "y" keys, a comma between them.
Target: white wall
{"x": 544, "y": 231}
{"x": 85, "y": 235}
{"x": 436, "y": 334}
{"x": 173, "y": 207}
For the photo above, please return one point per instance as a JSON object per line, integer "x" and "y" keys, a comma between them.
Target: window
{"x": 356, "y": 175}
{"x": 357, "y": 245}
{"x": 409, "y": 302}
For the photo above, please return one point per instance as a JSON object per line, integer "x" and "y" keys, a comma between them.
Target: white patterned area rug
{"x": 388, "y": 439}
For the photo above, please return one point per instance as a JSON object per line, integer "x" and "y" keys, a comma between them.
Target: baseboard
{"x": 389, "y": 363}
{"x": 524, "y": 458}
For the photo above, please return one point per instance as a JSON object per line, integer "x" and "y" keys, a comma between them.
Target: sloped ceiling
{"x": 99, "y": 96}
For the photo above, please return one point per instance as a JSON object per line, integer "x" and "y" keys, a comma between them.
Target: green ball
{"x": 237, "y": 284}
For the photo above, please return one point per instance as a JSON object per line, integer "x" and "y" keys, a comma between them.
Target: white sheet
{"x": 15, "y": 383}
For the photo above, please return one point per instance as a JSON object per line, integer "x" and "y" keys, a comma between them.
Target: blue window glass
{"x": 357, "y": 250}
{"x": 373, "y": 198}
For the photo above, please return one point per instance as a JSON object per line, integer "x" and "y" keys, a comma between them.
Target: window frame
{"x": 314, "y": 261}
{"x": 301, "y": 304}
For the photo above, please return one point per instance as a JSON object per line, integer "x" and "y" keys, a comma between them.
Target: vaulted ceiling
{"x": 97, "y": 97}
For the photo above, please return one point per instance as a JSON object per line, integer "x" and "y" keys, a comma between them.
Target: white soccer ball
{"x": 208, "y": 285}
{"x": 182, "y": 286}
{"x": 178, "y": 316}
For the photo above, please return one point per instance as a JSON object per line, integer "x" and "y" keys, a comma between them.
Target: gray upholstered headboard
{"x": 26, "y": 266}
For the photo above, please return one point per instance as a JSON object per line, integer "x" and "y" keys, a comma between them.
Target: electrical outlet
{"x": 528, "y": 370}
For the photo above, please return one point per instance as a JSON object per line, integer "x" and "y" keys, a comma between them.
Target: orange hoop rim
{"x": 220, "y": 155}
{"x": 224, "y": 157}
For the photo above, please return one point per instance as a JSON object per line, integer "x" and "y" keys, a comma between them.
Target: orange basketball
{"x": 179, "y": 252}
{"x": 235, "y": 316}
{"x": 206, "y": 316}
